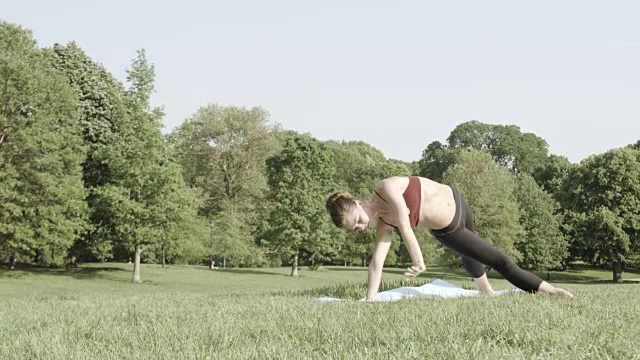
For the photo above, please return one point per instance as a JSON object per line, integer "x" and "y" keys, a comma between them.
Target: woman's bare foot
{"x": 482, "y": 283}
{"x": 563, "y": 292}
{"x": 547, "y": 288}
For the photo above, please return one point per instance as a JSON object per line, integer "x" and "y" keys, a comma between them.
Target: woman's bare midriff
{"x": 438, "y": 207}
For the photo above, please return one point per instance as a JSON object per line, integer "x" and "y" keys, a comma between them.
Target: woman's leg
{"x": 476, "y": 251}
{"x": 472, "y": 246}
{"x": 473, "y": 267}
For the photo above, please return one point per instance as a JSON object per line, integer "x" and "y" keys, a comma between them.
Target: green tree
{"x": 472, "y": 135}
{"x": 551, "y": 174}
{"x": 360, "y": 166}
{"x": 175, "y": 213}
{"x": 357, "y": 166}
{"x": 142, "y": 173}
{"x": 602, "y": 196}
{"x": 543, "y": 246}
{"x": 229, "y": 241}
{"x": 608, "y": 242}
{"x": 488, "y": 188}
{"x": 357, "y": 247}
{"x": 435, "y": 160}
{"x": 223, "y": 152}
{"x": 41, "y": 195}
{"x": 394, "y": 167}
{"x": 520, "y": 152}
{"x": 300, "y": 177}
{"x": 137, "y": 198}
{"x": 102, "y": 118}
{"x": 186, "y": 240}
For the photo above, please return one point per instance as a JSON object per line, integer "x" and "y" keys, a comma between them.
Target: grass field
{"x": 186, "y": 312}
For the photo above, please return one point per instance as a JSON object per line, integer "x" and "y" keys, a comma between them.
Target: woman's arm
{"x": 383, "y": 236}
{"x": 412, "y": 245}
{"x": 400, "y": 211}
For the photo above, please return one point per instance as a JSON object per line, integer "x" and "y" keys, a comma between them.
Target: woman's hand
{"x": 414, "y": 271}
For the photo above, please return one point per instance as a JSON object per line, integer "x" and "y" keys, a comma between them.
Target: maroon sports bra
{"x": 413, "y": 198}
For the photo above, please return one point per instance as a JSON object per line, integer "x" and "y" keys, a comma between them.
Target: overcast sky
{"x": 395, "y": 74}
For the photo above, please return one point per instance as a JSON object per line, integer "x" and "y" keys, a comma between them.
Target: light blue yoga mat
{"x": 437, "y": 288}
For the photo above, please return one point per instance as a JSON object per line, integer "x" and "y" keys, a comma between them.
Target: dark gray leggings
{"x": 460, "y": 237}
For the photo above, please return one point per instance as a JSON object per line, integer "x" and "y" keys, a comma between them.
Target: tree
{"x": 139, "y": 193}
{"x": 472, "y": 135}
{"x": 186, "y": 241}
{"x": 608, "y": 242}
{"x": 41, "y": 195}
{"x": 102, "y": 118}
{"x": 602, "y": 196}
{"x": 520, "y": 152}
{"x": 357, "y": 247}
{"x": 543, "y": 246}
{"x": 143, "y": 173}
{"x": 435, "y": 160}
{"x": 358, "y": 166}
{"x": 299, "y": 178}
{"x": 175, "y": 214}
{"x": 223, "y": 151}
{"x": 488, "y": 188}
{"x": 508, "y": 146}
{"x": 231, "y": 243}
{"x": 552, "y": 173}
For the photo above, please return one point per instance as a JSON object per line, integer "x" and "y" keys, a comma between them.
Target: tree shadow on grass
{"x": 90, "y": 273}
{"x": 433, "y": 273}
{"x": 252, "y": 272}
{"x": 569, "y": 277}
{"x": 605, "y": 282}
{"x": 563, "y": 277}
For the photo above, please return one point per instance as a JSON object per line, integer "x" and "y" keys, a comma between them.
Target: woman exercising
{"x": 404, "y": 203}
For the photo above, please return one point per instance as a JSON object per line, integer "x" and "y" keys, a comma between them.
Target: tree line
{"x": 86, "y": 174}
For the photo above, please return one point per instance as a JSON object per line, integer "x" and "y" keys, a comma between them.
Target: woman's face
{"x": 356, "y": 220}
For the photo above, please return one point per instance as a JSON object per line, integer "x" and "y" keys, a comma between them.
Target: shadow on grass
{"x": 604, "y": 282}
{"x": 574, "y": 276}
{"x": 563, "y": 277}
{"x": 433, "y": 273}
{"x": 251, "y": 271}
{"x": 24, "y": 270}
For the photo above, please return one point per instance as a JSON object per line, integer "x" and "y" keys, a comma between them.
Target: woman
{"x": 404, "y": 203}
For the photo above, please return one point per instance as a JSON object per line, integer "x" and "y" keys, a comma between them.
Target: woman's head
{"x": 347, "y": 212}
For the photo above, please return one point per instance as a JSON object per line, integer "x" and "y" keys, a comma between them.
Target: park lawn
{"x": 187, "y": 312}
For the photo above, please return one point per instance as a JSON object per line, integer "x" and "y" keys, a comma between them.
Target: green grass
{"x": 195, "y": 313}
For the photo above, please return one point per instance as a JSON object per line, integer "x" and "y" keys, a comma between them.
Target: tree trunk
{"x": 617, "y": 271}
{"x": 294, "y": 265}
{"x": 136, "y": 265}
{"x": 2, "y": 137}
{"x": 548, "y": 276}
{"x": 224, "y": 262}
{"x": 164, "y": 261}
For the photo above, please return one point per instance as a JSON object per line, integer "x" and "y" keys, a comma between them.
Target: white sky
{"x": 397, "y": 75}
